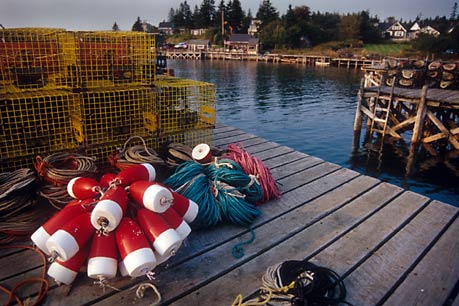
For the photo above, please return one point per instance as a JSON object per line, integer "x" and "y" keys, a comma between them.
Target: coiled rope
{"x": 255, "y": 167}
{"x": 17, "y": 189}
{"x": 297, "y": 283}
{"x": 57, "y": 169}
{"x": 136, "y": 154}
{"x": 212, "y": 188}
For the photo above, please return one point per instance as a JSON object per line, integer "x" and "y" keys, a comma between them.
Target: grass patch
{"x": 394, "y": 49}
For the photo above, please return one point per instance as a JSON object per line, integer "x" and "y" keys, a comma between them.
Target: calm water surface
{"x": 311, "y": 109}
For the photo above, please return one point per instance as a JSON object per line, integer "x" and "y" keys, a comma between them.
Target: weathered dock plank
{"x": 373, "y": 280}
{"x": 246, "y": 278}
{"x": 386, "y": 243}
{"x": 432, "y": 280}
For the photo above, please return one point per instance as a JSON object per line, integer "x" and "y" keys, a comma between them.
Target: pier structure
{"x": 316, "y": 60}
{"x": 415, "y": 100}
{"x": 389, "y": 246}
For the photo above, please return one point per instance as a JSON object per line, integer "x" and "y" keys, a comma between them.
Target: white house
{"x": 253, "y": 28}
{"x": 396, "y": 31}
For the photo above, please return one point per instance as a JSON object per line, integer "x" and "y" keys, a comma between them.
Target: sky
{"x": 101, "y": 14}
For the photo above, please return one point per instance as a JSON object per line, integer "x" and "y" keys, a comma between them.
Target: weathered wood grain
{"x": 233, "y": 139}
{"x": 280, "y": 160}
{"x": 18, "y": 262}
{"x": 301, "y": 177}
{"x": 295, "y": 166}
{"x": 430, "y": 282}
{"x": 247, "y": 277}
{"x": 270, "y": 154}
{"x": 373, "y": 279}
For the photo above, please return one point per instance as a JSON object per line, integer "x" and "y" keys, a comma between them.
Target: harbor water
{"x": 312, "y": 109}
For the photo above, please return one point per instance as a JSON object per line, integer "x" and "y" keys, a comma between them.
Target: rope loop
{"x": 140, "y": 292}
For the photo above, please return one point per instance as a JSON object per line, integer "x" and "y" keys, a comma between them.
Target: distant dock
{"x": 316, "y": 60}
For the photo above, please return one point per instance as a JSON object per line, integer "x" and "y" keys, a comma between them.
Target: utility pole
{"x": 223, "y": 23}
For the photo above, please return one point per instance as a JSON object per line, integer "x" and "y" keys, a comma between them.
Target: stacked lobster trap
{"x": 91, "y": 91}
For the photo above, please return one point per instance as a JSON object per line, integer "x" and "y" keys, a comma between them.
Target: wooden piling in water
{"x": 420, "y": 116}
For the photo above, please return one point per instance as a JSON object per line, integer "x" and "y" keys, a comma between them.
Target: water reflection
{"x": 312, "y": 110}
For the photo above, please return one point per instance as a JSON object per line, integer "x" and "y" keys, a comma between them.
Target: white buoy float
{"x": 65, "y": 272}
{"x": 135, "y": 251}
{"x": 165, "y": 239}
{"x": 71, "y": 210}
{"x": 202, "y": 153}
{"x": 109, "y": 211}
{"x": 103, "y": 257}
{"x": 185, "y": 207}
{"x": 70, "y": 238}
{"x": 151, "y": 196}
{"x": 177, "y": 222}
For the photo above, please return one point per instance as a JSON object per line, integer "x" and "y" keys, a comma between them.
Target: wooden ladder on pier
{"x": 381, "y": 112}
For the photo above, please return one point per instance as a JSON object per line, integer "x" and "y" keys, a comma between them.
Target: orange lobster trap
{"x": 36, "y": 59}
{"x": 108, "y": 59}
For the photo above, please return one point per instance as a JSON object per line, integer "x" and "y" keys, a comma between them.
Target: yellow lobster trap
{"x": 35, "y": 123}
{"x": 36, "y": 59}
{"x": 111, "y": 115}
{"x": 184, "y": 105}
{"x": 108, "y": 59}
{"x": 190, "y": 138}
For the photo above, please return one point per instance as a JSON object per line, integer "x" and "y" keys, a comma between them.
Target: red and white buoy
{"x": 107, "y": 179}
{"x": 151, "y": 196}
{"x": 139, "y": 172}
{"x": 122, "y": 268}
{"x": 177, "y": 222}
{"x": 185, "y": 207}
{"x": 71, "y": 210}
{"x": 135, "y": 251}
{"x": 202, "y": 153}
{"x": 71, "y": 237}
{"x": 65, "y": 272}
{"x": 161, "y": 259}
{"x": 109, "y": 211}
{"x": 103, "y": 257}
{"x": 165, "y": 240}
{"x": 83, "y": 188}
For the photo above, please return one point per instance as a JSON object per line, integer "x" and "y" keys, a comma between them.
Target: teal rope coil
{"x": 231, "y": 173}
{"x": 234, "y": 208}
{"x": 222, "y": 191}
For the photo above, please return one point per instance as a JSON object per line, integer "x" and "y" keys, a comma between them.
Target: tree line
{"x": 299, "y": 27}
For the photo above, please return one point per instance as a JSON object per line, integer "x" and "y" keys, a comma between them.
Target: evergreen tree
{"x": 187, "y": 15}
{"x": 236, "y": 15}
{"x": 369, "y": 32}
{"x": 196, "y": 17}
{"x": 247, "y": 21}
{"x": 267, "y": 13}
{"x": 171, "y": 15}
{"x": 289, "y": 17}
{"x": 115, "y": 27}
{"x": 350, "y": 27}
{"x": 137, "y": 26}
{"x": 454, "y": 12}
{"x": 207, "y": 13}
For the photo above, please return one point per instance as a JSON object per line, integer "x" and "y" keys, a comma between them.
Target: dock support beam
{"x": 420, "y": 117}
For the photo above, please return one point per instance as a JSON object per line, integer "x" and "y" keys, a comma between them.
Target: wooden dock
{"x": 430, "y": 114}
{"x": 315, "y": 60}
{"x": 390, "y": 246}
